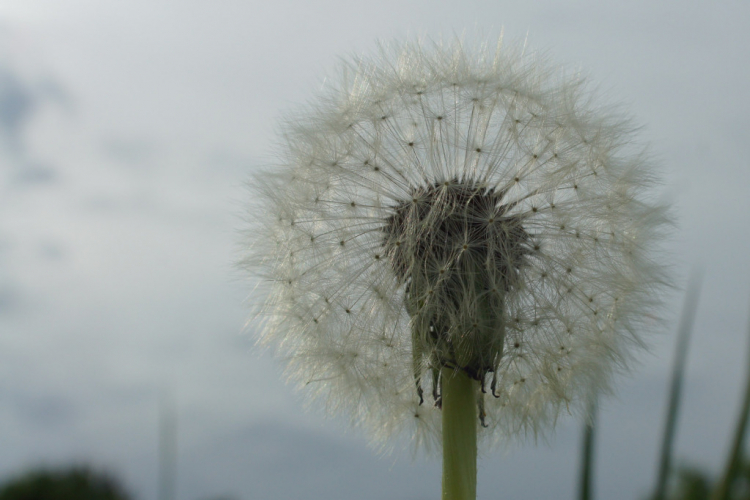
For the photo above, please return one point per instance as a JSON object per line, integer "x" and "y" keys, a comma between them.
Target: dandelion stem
{"x": 459, "y": 436}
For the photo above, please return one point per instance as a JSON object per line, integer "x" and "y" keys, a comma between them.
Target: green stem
{"x": 459, "y": 435}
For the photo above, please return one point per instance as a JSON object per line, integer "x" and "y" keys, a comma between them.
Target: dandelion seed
{"x": 488, "y": 163}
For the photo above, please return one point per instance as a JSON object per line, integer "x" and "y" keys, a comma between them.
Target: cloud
{"x": 10, "y": 298}
{"x": 20, "y": 102}
{"x": 33, "y": 174}
{"x": 271, "y": 460}
{"x": 130, "y": 151}
{"x": 17, "y": 103}
{"x": 40, "y": 411}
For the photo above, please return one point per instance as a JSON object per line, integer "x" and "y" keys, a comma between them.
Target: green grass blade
{"x": 735, "y": 454}
{"x": 683, "y": 339}
{"x": 586, "y": 485}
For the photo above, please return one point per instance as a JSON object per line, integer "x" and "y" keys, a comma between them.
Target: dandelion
{"x": 456, "y": 243}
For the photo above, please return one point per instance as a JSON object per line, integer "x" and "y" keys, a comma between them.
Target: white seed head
{"x": 442, "y": 206}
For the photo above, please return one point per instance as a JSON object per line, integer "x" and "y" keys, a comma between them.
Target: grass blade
{"x": 683, "y": 339}
{"x": 586, "y": 486}
{"x": 735, "y": 454}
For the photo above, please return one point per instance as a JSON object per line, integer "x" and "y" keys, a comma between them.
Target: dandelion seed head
{"x": 446, "y": 206}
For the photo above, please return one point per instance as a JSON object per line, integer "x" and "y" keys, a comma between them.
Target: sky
{"x": 127, "y": 133}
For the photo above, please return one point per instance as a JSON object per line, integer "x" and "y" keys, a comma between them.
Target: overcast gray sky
{"x": 126, "y": 132}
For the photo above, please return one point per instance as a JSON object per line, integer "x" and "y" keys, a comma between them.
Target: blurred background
{"x": 127, "y": 130}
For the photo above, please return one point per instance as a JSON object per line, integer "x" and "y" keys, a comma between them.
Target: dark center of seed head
{"x": 458, "y": 252}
